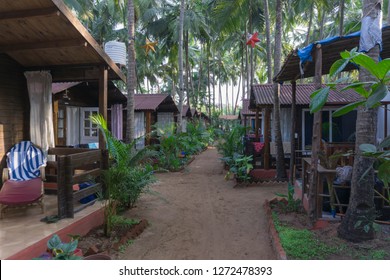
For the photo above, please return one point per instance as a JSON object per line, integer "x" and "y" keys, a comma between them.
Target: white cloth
{"x": 371, "y": 32}
{"x": 39, "y": 84}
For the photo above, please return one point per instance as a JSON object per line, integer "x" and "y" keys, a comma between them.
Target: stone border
{"x": 275, "y": 240}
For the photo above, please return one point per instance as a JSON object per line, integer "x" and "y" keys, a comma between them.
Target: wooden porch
{"x": 22, "y": 233}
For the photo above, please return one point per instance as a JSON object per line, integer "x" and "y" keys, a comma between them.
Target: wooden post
{"x": 61, "y": 192}
{"x": 148, "y": 126}
{"x": 257, "y": 125}
{"x": 55, "y": 121}
{"x": 267, "y": 124}
{"x": 293, "y": 126}
{"x": 386, "y": 115}
{"x": 316, "y": 141}
{"x": 103, "y": 84}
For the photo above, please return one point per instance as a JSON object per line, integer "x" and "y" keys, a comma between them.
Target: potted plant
{"x": 63, "y": 251}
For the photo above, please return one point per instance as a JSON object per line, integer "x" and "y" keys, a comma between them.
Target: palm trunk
{"x": 341, "y": 25}
{"x": 131, "y": 75}
{"x": 268, "y": 41}
{"x": 208, "y": 80}
{"x": 280, "y": 168}
{"x": 238, "y": 94}
{"x": 187, "y": 69}
{"x": 310, "y": 24}
{"x": 181, "y": 83}
{"x": 357, "y": 224}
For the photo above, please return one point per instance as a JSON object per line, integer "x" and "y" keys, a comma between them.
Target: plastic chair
{"x": 23, "y": 179}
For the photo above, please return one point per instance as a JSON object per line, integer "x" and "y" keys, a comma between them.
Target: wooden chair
{"x": 23, "y": 179}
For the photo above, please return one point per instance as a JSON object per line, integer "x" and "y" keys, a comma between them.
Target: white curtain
{"x": 139, "y": 125}
{"x": 117, "y": 121}
{"x": 41, "y": 112}
{"x": 285, "y": 125}
{"x": 72, "y": 126}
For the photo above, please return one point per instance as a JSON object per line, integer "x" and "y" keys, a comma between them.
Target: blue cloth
{"x": 305, "y": 53}
{"x": 24, "y": 161}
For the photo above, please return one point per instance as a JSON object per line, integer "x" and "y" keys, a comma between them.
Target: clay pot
{"x": 98, "y": 257}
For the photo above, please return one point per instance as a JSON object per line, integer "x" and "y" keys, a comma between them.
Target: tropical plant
{"x": 232, "y": 141}
{"x": 240, "y": 166}
{"x": 61, "y": 250}
{"x": 127, "y": 176}
{"x": 372, "y": 87}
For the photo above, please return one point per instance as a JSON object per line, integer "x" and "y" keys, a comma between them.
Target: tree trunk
{"x": 243, "y": 70}
{"x": 131, "y": 75}
{"x": 238, "y": 94}
{"x": 187, "y": 70}
{"x": 268, "y": 40}
{"x": 357, "y": 224}
{"x": 280, "y": 168}
{"x": 181, "y": 83}
{"x": 316, "y": 141}
{"x": 310, "y": 24}
{"x": 208, "y": 80}
{"x": 341, "y": 14}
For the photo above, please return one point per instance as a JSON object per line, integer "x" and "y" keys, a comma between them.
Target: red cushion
{"x": 21, "y": 192}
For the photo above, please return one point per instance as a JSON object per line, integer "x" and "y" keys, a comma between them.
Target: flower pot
{"x": 98, "y": 257}
{"x": 78, "y": 252}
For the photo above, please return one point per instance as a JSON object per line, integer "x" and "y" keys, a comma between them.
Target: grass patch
{"x": 301, "y": 244}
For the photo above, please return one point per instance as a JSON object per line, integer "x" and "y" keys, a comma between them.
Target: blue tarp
{"x": 305, "y": 53}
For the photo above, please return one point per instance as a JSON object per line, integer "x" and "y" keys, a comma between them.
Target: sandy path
{"x": 199, "y": 215}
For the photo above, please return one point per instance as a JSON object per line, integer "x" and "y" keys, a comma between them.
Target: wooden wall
{"x": 14, "y": 106}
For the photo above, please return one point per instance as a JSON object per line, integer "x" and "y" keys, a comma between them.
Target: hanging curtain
{"x": 72, "y": 126}
{"x": 117, "y": 121}
{"x": 41, "y": 112}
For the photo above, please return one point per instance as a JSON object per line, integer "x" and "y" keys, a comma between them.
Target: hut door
{"x": 165, "y": 118}
{"x": 139, "y": 121}
{"x": 61, "y": 126}
{"x": 89, "y": 131}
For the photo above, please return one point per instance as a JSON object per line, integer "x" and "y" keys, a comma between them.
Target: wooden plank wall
{"x": 14, "y": 106}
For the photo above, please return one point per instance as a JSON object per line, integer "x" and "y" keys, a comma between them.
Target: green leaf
{"x": 385, "y": 143}
{"x": 383, "y": 68}
{"x": 380, "y": 91}
{"x": 347, "y": 108}
{"x": 384, "y": 172}
{"x": 338, "y": 66}
{"x": 368, "y": 63}
{"x": 357, "y": 224}
{"x": 318, "y": 99}
{"x": 368, "y": 148}
{"x": 359, "y": 87}
{"x": 54, "y": 242}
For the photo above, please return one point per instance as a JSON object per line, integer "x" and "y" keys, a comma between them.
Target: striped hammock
{"x": 24, "y": 161}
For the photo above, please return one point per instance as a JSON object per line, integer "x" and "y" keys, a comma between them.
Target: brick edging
{"x": 275, "y": 240}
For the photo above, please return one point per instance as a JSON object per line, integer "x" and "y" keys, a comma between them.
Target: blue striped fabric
{"x": 24, "y": 160}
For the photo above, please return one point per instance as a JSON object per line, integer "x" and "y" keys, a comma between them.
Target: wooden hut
{"x": 74, "y": 102}
{"x": 45, "y": 39}
{"x": 150, "y": 109}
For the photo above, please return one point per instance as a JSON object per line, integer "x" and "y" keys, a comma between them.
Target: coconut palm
{"x": 357, "y": 225}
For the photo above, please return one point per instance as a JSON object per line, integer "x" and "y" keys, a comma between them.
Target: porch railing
{"x": 74, "y": 166}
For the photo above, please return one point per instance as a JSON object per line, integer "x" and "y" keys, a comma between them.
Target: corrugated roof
{"x": 263, "y": 95}
{"x": 152, "y": 101}
{"x": 229, "y": 117}
{"x": 186, "y": 112}
{"x": 245, "y": 108}
{"x": 194, "y": 112}
{"x": 58, "y": 87}
{"x": 331, "y": 49}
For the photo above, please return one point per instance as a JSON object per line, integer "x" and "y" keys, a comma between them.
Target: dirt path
{"x": 199, "y": 215}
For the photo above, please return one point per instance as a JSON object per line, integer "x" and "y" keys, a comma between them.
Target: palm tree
{"x": 131, "y": 74}
{"x": 357, "y": 225}
{"x": 181, "y": 83}
{"x": 280, "y": 168}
